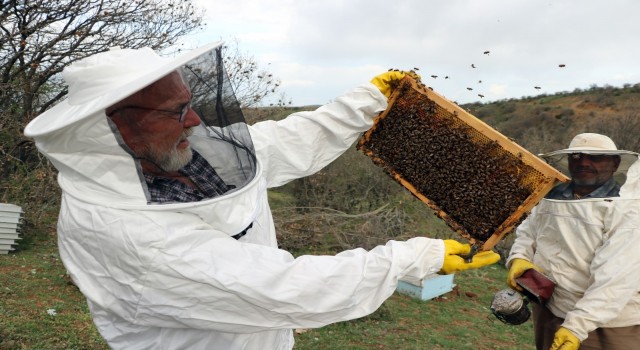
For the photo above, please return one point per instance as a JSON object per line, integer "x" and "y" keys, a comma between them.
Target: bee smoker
{"x": 510, "y": 307}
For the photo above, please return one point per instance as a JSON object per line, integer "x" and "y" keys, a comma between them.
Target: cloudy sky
{"x": 319, "y": 49}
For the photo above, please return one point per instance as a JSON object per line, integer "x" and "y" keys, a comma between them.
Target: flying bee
{"x": 473, "y": 65}
{"x": 561, "y": 65}
{"x": 486, "y": 52}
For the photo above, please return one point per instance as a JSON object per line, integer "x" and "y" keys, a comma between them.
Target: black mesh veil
{"x": 223, "y": 138}
{"x": 226, "y": 142}
{"x": 197, "y": 147}
{"x": 213, "y": 96}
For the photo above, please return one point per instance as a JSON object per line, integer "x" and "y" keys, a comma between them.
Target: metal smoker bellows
{"x": 510, "y": 307}
{"x": 477, "y": 180}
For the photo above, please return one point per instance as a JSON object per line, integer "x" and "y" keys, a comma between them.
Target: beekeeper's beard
{"x": 595, "y": 181}
{"x": 170, "y": 160}
{"x": 588, "y": 176}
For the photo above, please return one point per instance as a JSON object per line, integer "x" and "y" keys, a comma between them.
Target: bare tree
{"x": 543, "y": 138}
{"x": 623, "y": 130}
{"x": 40, "y": 37}
{"x": 252, "y": 84}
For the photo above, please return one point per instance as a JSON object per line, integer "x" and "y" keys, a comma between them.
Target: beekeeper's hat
{"x": 99, "y": 81}
{"x": 590, "y": 143}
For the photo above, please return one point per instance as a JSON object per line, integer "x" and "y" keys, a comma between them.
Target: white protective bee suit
{"x": 591, "y": 249}
{"x": 170, "y": 276}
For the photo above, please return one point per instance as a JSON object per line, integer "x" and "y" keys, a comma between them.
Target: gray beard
{"x": 592, "y": 183}
{"x": 174, "y": 160}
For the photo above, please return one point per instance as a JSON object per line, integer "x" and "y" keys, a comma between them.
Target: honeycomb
{"x": 478, "y": 181}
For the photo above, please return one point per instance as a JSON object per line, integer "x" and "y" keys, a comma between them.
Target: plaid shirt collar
{"x": 208, "y": 183}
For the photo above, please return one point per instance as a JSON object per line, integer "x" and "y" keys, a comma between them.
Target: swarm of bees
{"x": 470, "y": 181}
{"x": 474, "y": 66}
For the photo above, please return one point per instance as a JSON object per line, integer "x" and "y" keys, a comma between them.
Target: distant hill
{"x": 312, "y": 212}
{"x": 548, "y": 122}
{"x": 545, "y": 122}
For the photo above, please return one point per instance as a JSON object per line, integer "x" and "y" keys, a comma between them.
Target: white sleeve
{"x": 168, "y": 270}
{"x": 305, "y": 142}
{"x": 230, "y": 286}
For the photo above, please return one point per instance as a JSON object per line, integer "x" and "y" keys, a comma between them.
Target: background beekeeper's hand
{"x": 518, "y": 267}
{"x": 565, "y": 340}
{"x": 387, "y": 81}
{"x": 454, "y": 262}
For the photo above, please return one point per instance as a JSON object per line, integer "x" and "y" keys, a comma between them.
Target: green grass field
{"x": 40, "y": 309}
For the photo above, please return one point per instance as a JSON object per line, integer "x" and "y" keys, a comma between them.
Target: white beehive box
{"x": 10, "y": 220}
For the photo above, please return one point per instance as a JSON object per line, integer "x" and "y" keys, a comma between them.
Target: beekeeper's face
{"x": 155, "y": 123}
{"x": 592, "y": 170}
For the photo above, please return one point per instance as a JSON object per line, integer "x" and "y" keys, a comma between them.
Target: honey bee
{"x": 486, "y": 52}
{"x": 481, "y": 95}
{"x": 536, "y": 87}
{"x": 561, "y": 65}
{"x": 469, "y": 89}
{"x": 473, "y": 65}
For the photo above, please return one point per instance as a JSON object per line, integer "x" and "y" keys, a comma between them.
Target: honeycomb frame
{"x": 457, "y": 164}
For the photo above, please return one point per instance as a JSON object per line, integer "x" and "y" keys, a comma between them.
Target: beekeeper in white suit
{"x": 585, "y": 236}
{"x": 164, "y": 222}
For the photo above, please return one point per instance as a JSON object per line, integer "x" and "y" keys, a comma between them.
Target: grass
{"x": 460, "y": 319}
{"x": 40, "y": 309}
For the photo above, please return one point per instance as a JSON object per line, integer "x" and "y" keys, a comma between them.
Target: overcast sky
{"x": 319, "y": 49}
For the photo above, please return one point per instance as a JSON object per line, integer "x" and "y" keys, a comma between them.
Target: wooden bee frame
{"x": 481, "y": 183}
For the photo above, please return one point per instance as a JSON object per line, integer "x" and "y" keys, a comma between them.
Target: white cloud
{"x": 320, "y": 49}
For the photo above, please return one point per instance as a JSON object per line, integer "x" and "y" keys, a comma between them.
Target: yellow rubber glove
{"x": 565, "y": 340}
{"x": 518, "y": 267}
{"x": 454, "y": 262}
{"x": 387, "y": 81}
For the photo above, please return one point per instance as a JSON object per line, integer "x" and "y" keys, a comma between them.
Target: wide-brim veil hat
{"x": 590, "y": 143}
{"x": 101, "y": 80}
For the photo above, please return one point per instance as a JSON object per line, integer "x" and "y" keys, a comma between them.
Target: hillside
{"x": 353, "y": 203}
{"x": 544, "y": 122}
{"x": 547, "y": 122}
